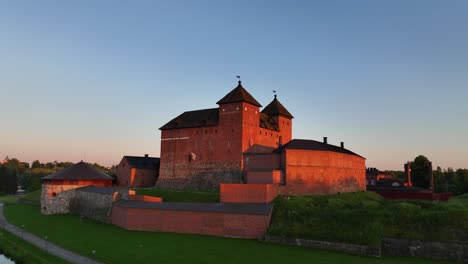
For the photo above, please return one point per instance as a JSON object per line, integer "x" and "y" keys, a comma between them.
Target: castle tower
{"x": 282, "y": 118}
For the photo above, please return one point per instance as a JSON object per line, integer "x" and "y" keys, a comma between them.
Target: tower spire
{"x": 238, "y": 77}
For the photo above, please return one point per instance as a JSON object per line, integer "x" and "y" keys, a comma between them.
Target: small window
{"x": 260, "y": 132}
{"x": 216, "y": 131}
{"x": 197, "y": 132}
{"x": 54, "y": 194}
{"x": 206, "y": 131}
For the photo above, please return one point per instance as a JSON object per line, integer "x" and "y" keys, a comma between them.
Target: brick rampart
{"x": 177, "y": 221}
{"x": 247, "y": 193}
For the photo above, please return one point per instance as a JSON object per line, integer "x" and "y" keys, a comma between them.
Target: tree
{"x": 36, "y": 164}
{"x": 421, "y": 172}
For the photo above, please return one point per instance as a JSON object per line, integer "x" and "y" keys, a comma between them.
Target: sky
{"x": 94, "y": 80}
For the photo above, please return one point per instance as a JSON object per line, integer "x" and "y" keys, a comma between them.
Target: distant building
{"x": 58, "y": 188}
{"x": 137, "y": 171}
{"x": 376, "y": 177}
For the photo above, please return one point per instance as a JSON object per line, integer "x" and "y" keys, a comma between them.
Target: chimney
{"x": 146, "y": 155}
{"x": 342, "y": 145}
{"x": 325, "y": 140}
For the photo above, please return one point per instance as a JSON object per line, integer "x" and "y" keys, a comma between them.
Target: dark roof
{"x": 276, "y": 108}
{"x": 142, "y": 162}
{"x": 96, "y": 189}
{"x": 313, "y": 145}
{"x": 230, "y": 208}
{"x": 79, "y": 171}
{"x": 239, "y": 94}
{"x": 197, "y": 118}
{"x": 267, "y": 122}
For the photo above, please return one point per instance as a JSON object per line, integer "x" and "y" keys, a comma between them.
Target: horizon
{"x": 95, "y": 81}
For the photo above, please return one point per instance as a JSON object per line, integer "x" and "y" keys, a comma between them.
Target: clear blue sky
{"x": 96, "y": 79}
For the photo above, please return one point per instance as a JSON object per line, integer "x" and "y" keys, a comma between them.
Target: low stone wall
{"x": 55, "y": 199}
{"x": 97, "y": 206}
{"x": 325, "y": 245}
{"x": 432, "y": 250}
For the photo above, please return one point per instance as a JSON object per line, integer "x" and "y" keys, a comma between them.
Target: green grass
{"x": 116, "y": 245}
{"x": 181, "y": 196}
{"x": 23, "y": 252}
{"x": 8, "y": 199}
{"x": 365, "y": 217}
{"x": 32, "y": 196}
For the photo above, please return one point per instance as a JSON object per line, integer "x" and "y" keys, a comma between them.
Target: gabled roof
{"x": 276, "y": 108}
{"x": 198, "y": 118}
{"x": 239, "y": 94}
{"x": 79, "y": 171}
{"x": 313, "y": 145}
{"x": 142, "y": 162}
{"x": 267, "y": 122}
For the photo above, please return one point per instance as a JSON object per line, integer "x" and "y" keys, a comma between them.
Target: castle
{"x": 238, "y": 143}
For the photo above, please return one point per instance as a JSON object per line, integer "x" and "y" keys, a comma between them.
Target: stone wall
{"x": 55, "y": 199}
{"x": 205, "y": 175}
{"x": 432, "y": 250}
{"x": 326, "y": 245}
{"x": 97, "y": 206}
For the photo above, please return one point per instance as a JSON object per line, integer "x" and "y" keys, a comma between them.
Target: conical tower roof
{"x": 79, "y": 171}
{"x": 239, "y": 94}
{"x": 275, "y": 108}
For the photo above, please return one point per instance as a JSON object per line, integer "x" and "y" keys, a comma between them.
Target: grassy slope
{"x": 365, "y": 217}
{"x": 32, "y": 196}
{"x": 181, "y": 196}
{"x": 24, "y": 252}
{"x": 115, "y": 245}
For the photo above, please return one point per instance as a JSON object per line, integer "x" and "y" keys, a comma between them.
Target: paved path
{"x": 41, "y": 243}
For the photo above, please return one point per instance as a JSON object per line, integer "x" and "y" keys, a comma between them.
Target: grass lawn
{"x": 8, "y": 199}
{"x": 23, "y": 252}
{"x": 32, "y": 196}
{"x": 181, "y": 196}
{"x": 116, "y": 245}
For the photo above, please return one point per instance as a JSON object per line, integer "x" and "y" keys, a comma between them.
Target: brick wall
{"x": 145, "y": 198}
{"x": 263, "y": 177}
{"x": 322, "y": 172}
{"x": 207, "y": 223}
{"x": 247, "y": 193}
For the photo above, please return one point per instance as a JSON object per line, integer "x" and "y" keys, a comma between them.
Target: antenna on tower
{"x": 238, "y": 77}
{"x": 274, "y": 92}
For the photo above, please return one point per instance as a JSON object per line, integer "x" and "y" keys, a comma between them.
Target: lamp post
{"x": 94, "y": 255}
{"x": 46, "y": 244}
{"x": 22, "y": 232}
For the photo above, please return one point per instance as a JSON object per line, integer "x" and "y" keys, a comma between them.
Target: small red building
{"x": 58, "y": 188}
{"x": 203, "y": 148}
{"x": 137, "y": 171}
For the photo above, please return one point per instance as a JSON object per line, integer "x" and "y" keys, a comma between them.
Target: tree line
{"x": 14, "y": 173}
{"x": 444, "y": 180}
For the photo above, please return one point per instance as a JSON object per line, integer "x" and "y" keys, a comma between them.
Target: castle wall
{"x": 322, "y": 172}
{"x": 97, "y": 206}
{"x": 189, "y": 222}
{"x": 248, "y": 193}
{"x": 123, "y": 173}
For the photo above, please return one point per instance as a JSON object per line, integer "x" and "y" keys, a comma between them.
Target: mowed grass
{"x": 8, "y": 199}
{"x": 32, "y": 196}
{"x": 23, "y": 252}
{"x": 181, "y": 196}
{"x": 116, "y": 245}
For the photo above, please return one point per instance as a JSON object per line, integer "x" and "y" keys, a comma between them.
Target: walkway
{"x": 42, "y": 243}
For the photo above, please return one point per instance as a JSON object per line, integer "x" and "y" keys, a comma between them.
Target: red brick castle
{"x": 202, "y": 148}
{"x": 238, "y": 143}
